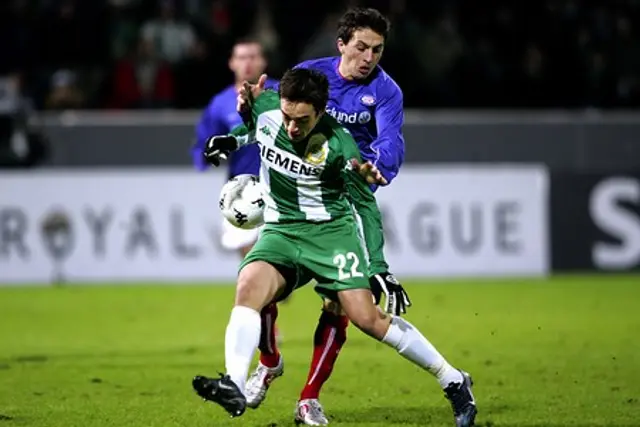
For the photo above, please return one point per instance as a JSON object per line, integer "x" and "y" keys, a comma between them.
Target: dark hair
{"x": 304, "y": 85}
{"x": 359, "y": 18}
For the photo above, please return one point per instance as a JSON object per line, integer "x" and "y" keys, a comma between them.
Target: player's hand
{"x": 248, "y": 93}
{"x": 396, "y": 298}
{"x": 218, "y": 147}
{"x": 369, "y": 172}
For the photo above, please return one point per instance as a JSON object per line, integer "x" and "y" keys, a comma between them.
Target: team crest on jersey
{"x": 364, "y": 117}
{"x": 318, "y": 150}
{"x": 318, "y": 156}
{"x": 368, "y": 100}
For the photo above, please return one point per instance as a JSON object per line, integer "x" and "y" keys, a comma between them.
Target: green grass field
{"x": 547, "y": 353}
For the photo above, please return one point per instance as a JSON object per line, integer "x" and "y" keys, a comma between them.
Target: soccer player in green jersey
{"x": 313, "y": 173}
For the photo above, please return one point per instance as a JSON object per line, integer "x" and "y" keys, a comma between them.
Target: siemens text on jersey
{"x": 283, "y": 160}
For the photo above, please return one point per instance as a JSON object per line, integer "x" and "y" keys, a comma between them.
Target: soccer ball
{"x": 242, "y": 202}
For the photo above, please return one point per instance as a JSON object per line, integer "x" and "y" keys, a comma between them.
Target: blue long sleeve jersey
{"x": 218, "y": 118}
{"x": 372, "y": 111}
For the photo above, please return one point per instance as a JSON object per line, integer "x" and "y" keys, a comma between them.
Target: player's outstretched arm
{"x": 368, "y": 215}
{"x": 358, "y": 176}
{"x": 389, "y": 145}
{"x": 218, "y": 147}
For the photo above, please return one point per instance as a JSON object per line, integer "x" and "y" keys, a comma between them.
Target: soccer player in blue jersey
{"x": 247, "y": 63}
{"x": 368, "y": 102}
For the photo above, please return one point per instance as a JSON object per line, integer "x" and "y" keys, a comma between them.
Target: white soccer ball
{"x": 242, "y": 202}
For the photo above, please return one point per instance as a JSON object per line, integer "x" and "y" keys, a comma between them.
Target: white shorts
{"x": 234, "y": 238}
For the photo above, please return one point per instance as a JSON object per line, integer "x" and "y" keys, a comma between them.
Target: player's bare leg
{"x": 412, "y": 345}
{"x": 278, "y": 336}
{"x": 258, "y": 284}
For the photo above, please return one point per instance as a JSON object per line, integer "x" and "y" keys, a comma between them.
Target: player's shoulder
{"x": 338, "y": 135}
{"x": 267, "y": 100}
{"x": 320, "y": 64}
{"x": 219, "y": 103}
{"x": 272, "y": 83}
{"x": 224, "y": 95}
{"x": 332, "y": 127}
{"x": 385, "y": 85}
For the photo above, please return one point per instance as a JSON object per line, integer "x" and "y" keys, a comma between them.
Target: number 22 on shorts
{"x": 341, "y": 261}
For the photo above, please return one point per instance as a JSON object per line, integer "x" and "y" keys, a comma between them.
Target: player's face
{"x": 360, "y": 56}
{"x": 247, "y": 62}
{"x": 299, "y": 118}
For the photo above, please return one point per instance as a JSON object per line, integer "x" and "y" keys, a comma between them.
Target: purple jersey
{"x": 370, "y": 109}
{"x": 218, "y": 118}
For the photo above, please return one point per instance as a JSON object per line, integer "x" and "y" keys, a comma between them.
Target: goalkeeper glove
{"x": 218, "y": 147}
{"x": 396, "y": 298}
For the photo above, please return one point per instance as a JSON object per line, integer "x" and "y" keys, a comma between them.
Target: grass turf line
{"x": 555, "y": 353}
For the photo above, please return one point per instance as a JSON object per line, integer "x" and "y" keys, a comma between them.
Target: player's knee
{"x": 376, "y": 325}
{"x": 245, "y": 292}
{"x": 258, "y": 283}
{"x": 360, "y": 309}
{"x": 365, "y": 320}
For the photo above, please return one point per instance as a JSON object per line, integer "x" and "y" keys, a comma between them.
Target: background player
{"x": 310, "y": 169}
{"x": 247, "y": 62}
{"x": 369, "y": 103}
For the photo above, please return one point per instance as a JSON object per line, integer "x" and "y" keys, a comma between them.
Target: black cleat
{"x": 222, "y": 391}
{"x": 462, "y": 401}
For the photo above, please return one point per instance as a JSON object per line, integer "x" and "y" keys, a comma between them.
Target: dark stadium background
{"x": 515, "y": 222}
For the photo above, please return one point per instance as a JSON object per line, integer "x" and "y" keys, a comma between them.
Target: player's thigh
{"x": 336, "y": 259}
{"x": 259, "y": 282}
{"x": 278, "y": 251}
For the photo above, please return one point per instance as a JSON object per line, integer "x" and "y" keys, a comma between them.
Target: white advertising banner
{"x": 467, "y": 221}
{"x": 120, "y": 225}
{"x": 164, "y": 225}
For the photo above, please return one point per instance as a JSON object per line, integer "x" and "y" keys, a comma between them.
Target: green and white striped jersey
{"x": 312, "y": 180}
{"x": 308, "y": 180}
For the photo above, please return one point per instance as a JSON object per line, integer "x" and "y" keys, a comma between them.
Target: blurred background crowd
{"x": 123, "y": 54}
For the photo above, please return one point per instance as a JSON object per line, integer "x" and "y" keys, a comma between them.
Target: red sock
{"x": 331, "y": 334}
{"x": 269, "y": 353}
